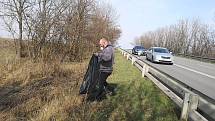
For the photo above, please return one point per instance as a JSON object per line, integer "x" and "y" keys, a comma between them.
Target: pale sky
{"x": 139, "y": 16}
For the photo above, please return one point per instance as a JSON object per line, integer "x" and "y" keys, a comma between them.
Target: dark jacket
{"x": 106, "y": 59}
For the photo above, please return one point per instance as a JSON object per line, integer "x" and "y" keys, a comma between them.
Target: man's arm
{"x": 105, "y": 55}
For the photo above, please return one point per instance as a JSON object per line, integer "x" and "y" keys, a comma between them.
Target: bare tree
{"x": 13, "y": 15}
{"x": 64, "y": 29}
{"x": 184, "y": 37}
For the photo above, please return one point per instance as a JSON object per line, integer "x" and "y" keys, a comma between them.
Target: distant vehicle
{"x": 159, "y": 55}
{"x": 139, "y": 50}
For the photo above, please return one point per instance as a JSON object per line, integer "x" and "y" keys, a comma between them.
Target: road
{"x": 198, "y": 75}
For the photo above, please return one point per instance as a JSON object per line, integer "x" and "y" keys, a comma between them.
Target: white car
{"x": 159, "y": 55}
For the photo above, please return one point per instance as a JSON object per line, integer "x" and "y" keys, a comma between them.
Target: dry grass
{"x": 50, "y": 92}
{"x": 38, "y": 91}
{"x": 41, "y": 91}
{"x": 7, "y": 51}
{"x": 7, "y": 55}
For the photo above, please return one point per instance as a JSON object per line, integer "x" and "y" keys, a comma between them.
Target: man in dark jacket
{"x": 106, "y": 61}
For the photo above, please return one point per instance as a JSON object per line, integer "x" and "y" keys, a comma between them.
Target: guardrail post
{"x": 184, "y": 111}
{"x": 124, "y": 54}
{"x": 190, "y": 103}
{"x": 147, "y": 69}
{"x": 127, "y": 56}
{"x": 194, "y": 102}
{"x": 144, "y": 70}
{"x": 133, "y": 60}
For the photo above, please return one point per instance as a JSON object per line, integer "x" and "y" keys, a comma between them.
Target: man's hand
{"x": 96, "y": 54}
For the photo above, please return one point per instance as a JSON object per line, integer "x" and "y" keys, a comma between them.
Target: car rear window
{"x": 139, "y": 47}
{"x": 161, "y": 50}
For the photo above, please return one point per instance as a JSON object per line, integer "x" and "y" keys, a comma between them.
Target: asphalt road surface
{"x": 198, "y": 75}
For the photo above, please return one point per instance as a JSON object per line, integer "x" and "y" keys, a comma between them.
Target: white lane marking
{"x": 204, "y": 74}
{"x": 200, "y": 63}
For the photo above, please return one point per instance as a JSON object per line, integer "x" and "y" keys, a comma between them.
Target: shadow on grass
{"x": 27, "y": 100}
{"x": 15, "y": 94}
{"x": 6, "y": 100}
{"x": 92, "y": 96}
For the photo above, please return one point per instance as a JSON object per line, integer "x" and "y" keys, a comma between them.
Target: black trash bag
{"x": 91, "y": 77}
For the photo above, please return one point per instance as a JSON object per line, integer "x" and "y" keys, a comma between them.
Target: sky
{"x": 139, "y": 16}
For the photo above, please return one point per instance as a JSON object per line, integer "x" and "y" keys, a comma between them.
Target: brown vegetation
{"x": 42, "y": 67}
{"x": 62, "y": 30}
{"x": 40, "y": 91}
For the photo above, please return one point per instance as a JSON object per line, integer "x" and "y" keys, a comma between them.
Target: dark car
{"x": 139, "y": 50}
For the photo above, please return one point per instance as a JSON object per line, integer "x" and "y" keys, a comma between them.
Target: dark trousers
{"x": 102, "y": 83}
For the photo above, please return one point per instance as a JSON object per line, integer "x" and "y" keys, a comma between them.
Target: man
{"x": 106, "y": 60}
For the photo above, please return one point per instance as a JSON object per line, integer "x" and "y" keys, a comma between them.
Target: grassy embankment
{"x": 137, "y": 98}
{"x": 42, "y": 92}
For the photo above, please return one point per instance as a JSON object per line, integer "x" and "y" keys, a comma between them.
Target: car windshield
{"x": 161, "y": 50}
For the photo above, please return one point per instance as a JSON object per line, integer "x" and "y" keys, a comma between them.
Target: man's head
{"x": 103, "y": 43}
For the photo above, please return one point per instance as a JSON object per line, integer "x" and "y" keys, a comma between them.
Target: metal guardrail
{"x": 194, "y": 106}
{"x": 198, "y": 57}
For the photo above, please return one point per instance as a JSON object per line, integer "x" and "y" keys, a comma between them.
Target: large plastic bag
{"x": 91, "y": 77}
